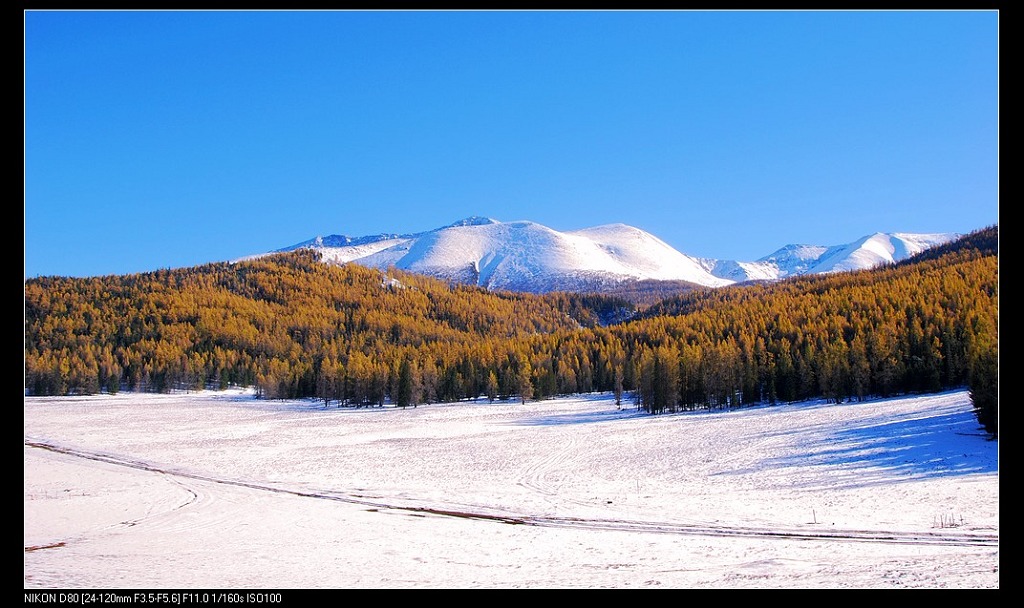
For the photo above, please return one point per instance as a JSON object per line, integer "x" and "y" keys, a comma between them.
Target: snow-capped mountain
{"x": 526, "y": 256}
{"x": 521, "y": 256}
{"x": 794, "y": 260}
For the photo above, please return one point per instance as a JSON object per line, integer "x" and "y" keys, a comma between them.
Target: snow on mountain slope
{"x": 521, "y": 255}
{"x": 791, "y": 260}
{"x": 349, "y": 253}
{"x": 879, "y": 248}
{"x": 794, "y": 260}
{"x": 643, "y": 252}
{"x": 526, "y": 256}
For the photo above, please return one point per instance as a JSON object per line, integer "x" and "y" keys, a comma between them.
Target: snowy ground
{"x": 220, "y": 490}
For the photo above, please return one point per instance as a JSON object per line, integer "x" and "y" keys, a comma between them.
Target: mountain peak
{"x": 473, "y": 220}
{"x": 526, "y": 256}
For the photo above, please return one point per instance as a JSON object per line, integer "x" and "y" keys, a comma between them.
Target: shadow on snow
{"x": 890, "y": 451}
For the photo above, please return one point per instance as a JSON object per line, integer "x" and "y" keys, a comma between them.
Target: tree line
{"x": 294, "y": 327}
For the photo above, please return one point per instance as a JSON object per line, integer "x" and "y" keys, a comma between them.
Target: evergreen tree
{"x": 492, "y": 386}
{"x": 404, "y": 391}
{"x": 618, "y": 385}
{"x": 984, "y": 387}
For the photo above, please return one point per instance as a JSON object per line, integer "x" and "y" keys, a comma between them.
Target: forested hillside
{"x": 295, "y": 327}
{"x": 285, "y": 323}
{"x": 917, "y": 326}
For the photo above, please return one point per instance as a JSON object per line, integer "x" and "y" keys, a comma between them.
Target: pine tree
{"x": 404, "y": 391}
{"x": 984, "y": 387}
{"x": 492, "y": 386}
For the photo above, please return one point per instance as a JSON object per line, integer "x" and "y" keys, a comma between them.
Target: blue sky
{"x": 169, "y": 139}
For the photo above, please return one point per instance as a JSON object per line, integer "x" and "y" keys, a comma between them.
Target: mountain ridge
{"x": 527, "y": 256}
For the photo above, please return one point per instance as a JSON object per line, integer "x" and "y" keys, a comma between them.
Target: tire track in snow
{"x": 535, "y": 477}
{"x": 945, "y": 537}
{"x": 194, "y": 498}
{"x": 165, "y": 512}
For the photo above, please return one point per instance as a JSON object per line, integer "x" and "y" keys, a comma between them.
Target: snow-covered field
{"x": 221, "y": 490}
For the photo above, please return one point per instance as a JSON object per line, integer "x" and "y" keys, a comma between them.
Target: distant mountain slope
{"x": 984, "y": 241}
{"x": 522, "y": 256}
{"x": 796, "y": 260}
{"x": 526, "y": 256}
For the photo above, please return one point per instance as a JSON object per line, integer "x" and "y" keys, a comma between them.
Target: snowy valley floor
{"x": 221, "y": 490}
